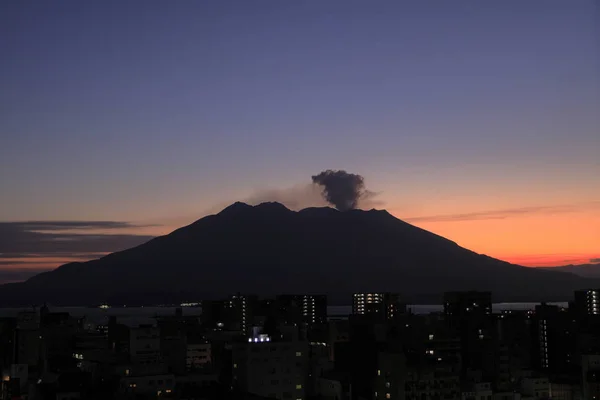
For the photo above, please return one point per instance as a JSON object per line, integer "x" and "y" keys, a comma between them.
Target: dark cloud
{"x": 57, "y": 239}
{"x": 71, "y": 225}
{"x": 595, "y": 260}
{"x": 498, "y": 214}
{"x": 341, "y": 189}
{"x": 52, "y": 254}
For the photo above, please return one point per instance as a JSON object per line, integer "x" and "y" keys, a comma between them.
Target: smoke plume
{"x": 341, "y": 189}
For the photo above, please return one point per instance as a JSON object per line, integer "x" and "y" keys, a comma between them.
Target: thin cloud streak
{"x": 65, "y": 239}
{"x": 504, "y": 213}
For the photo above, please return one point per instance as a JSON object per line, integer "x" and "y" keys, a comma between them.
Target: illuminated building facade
{"x": 387, "y": 305}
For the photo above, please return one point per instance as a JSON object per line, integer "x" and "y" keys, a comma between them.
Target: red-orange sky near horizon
{"x": 530, "y": 236}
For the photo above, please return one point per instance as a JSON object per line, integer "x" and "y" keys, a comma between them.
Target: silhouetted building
{"x": 587, "y": 302}
{"x": 233, "y": 314}
{"x": 553, "y": 339}
{"x": 460, "y": 305}
{"x": 271, "y": 368}
{"x": 469, "y": 314}
{"x": 591, "y": 376}
{"x": 8, "y": 327}
{"x": 144, "y": 345}
{"x": 302, "y": 309}
{"x": 386, "y": 305}
{"x": 390, "y": 378}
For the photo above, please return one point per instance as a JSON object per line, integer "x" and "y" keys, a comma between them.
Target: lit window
{"x": 378, "y": 372}
{"x": 298, "y": 386}
{"x": 430, "y": 337}
{"x": 234, "y": 365}
{"x": 298, "y": 354}
{"x": 126, "y": 372}
{"x": 388, "y": 396}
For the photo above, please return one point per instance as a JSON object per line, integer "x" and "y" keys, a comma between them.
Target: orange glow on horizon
{"x": 536, "y": 239}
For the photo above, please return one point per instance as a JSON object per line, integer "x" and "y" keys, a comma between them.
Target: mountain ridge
{"x": 268, "y": 249}
{"x": 591, "y": 270}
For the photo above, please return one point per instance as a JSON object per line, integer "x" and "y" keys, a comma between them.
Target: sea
{"x": 134, "y": 316}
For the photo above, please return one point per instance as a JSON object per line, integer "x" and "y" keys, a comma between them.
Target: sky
{"x": 477, "y": 120}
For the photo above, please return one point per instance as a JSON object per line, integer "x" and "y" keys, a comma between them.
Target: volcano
{"x": 268, "y": 249}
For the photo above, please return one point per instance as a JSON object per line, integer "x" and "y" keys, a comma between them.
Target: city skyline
{"x": 473, "y": 121}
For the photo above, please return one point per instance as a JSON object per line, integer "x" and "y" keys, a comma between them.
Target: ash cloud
{"x": 306, "y": 195}
{"x": 341, "y": 189}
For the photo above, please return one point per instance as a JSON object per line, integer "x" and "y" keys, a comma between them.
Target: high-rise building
{"x": 241, "y": 310}
{"x": 235, "y": 313}
{"x": 302, "y": 308}
{"x": 553, "y": 339}
{"x": 386, "y": 305}
{"x": 470, "y": 314}
{"x": 587, "y": 302}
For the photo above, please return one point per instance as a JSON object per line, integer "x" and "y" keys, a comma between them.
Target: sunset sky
{"x": 477, "y": 120}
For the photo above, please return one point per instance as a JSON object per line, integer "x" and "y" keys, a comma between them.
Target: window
{"x": 298, "y": 354}
{"x": 378, "y": 372}
{"x": 299, "y": 386}
{"x": 234, "y": 365}
{"x": 388, "y": 396}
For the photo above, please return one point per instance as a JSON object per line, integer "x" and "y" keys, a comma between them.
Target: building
{"x": 148, "y": 385}
{"x": 590, "y": 369}
{"x": 537, "y": 387}
{"x": 28, "y": 341}
{"x": 431, "y": 379}
{"x": 460, "y": 305}
{"x": 301, "y": 309}
{"x": 477, "y": 391}
{"x": 553, "y": 334}
{"x": 198, "y": 355}
{"x": 386, "y": 305}
{"x": 233, "y": 314}
{"x": 470, "y": 315}
{"x": 390, "y": 379}
{"x": 144, "y": 345}
{"x": 587, "y": 302}
{"x": 270, "y": 368}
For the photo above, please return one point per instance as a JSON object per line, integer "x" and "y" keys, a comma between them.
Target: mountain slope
{"x": 268, "y": 249}
{"x": 583, "y": 270}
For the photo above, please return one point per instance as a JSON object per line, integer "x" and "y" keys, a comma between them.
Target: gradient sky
{"x": 477, "y": 120}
